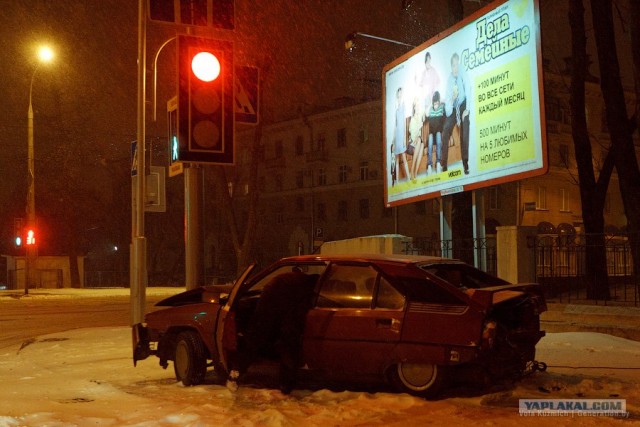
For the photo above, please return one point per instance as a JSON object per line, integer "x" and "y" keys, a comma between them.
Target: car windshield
{"x": 463, "y": 276}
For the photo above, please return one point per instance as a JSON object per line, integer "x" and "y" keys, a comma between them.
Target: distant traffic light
{"x": 205, "y": 100}
{"x": 17, "y": 231}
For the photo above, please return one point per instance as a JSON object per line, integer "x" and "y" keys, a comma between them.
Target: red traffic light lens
{"x": 205, "y": 66}
{"x": 31, "y": 237}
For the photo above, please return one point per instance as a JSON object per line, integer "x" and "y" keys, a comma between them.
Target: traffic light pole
{"x": 138, "y": 253}
{"x": 192, "y": 214}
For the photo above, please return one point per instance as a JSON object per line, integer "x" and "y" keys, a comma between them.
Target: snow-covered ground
{"x": 85, "y": 377}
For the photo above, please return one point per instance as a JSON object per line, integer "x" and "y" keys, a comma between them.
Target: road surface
{"x": 42, "y": 312}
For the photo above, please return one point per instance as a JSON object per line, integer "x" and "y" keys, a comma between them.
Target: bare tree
{"x": 243, "y": 244}
{"x": 620, "y": 127}
{"x": 592, "y": 190}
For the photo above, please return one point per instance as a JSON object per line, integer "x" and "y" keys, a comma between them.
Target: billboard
{"x": 465, "y": 109}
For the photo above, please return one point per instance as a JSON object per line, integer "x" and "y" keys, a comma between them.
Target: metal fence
{"x": 561, "y": 266}
{"x": 106, "y": 279}
{"x": 480, "y": 252}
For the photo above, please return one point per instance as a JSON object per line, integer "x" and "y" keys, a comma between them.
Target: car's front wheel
{"x": 418, "y": 379}
{"x": 190, "y": 359}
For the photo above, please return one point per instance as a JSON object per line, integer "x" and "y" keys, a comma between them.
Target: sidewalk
{"x": 623, "y": 322}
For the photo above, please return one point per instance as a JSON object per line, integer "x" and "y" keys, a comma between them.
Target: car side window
{"x": 425, "y": 290}
{"x": 347, "y": 286}
{"x": 388, "y": 297}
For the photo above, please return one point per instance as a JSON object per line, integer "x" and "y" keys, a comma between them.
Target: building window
{"x": 342, "y": 174}
{"x": 300, "y": 204}
{"x": 421, "y": 208}
{"x": 342, "y": 137}
{"x": 278, "y": 149}
{"x": 299, "y": 146}
{"x": 322, "y": 177}
{"x": 320, "y": 142}
{"x": 364, "y": 208}
{"x": 542, "y": 198}
{"x": 564, "y": 154}
{"x": 494, "y": 202}
{"x": 321, "y": 211}
{"x": 299, "y": 179}
{"x": 278, "y": 182}
{"x": 564, "y": 200}
{"x": 343, "y": 209}
{"x": 363, "y": 136}
{"x": 556, "y": 110}
{"x": 364, "y": 171}
{"x": 260, "y": 153}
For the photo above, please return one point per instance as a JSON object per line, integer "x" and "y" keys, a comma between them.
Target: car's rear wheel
{"x": 190, "y": 359}
{"x": 418, "y": 379}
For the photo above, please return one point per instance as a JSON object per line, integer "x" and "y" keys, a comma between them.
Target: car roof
{"x": 364, "y": 257}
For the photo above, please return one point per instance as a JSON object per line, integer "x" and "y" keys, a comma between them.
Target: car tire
{"x": 190, "y": 359}
{"x": 418, "y": 379}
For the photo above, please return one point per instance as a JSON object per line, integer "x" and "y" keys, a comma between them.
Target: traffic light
{"x": 205, "y": 100}
{"x": 17, "y": 231}
{"x": 30, "y": 237}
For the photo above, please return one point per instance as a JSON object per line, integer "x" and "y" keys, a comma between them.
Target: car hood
{"x": 499, "y": 294}
{"x": 211, "y": 293}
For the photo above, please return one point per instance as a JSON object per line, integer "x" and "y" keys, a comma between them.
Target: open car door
{"x": 225, "y": 333}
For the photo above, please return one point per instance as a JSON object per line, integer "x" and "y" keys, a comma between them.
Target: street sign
{"x": 209, "y": 13}
{"x": 246, "y": 97}
{"x": 134, "y": 158}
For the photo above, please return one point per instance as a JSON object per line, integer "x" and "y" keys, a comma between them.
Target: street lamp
{"x": 45, "y": 54}
{"x": 350, "y": 40}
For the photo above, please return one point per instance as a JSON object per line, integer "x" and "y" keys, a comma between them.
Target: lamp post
{"x": 45, "y": 54}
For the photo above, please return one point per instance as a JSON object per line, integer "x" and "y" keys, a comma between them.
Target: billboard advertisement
{"x": 465, "y": 109}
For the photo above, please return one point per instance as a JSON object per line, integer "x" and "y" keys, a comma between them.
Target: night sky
{"x": 85, "y": 101}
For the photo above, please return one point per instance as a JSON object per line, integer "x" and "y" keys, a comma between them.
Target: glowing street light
{"x": 45, "y": 55}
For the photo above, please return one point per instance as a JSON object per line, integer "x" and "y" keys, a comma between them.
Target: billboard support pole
{"x": 479, "y": 235}
{"x": 446, "y": 236}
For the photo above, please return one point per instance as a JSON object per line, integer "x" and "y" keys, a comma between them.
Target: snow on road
{"x": 85, "y": 377}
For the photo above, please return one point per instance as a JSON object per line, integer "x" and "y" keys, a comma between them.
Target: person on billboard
{"x": 457, "y": 109}
{"x": 416, "y": 147}
{"x": 428, "y": 81}
{"x": 399, "y": 144}
{"x": 436, "y": 122}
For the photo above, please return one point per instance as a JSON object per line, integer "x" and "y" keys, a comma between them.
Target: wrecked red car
{"x": 409, "y": 320}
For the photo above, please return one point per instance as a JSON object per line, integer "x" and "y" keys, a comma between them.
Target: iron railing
{"x": 480, "y": 252}
{"x": 561, "y": 266}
